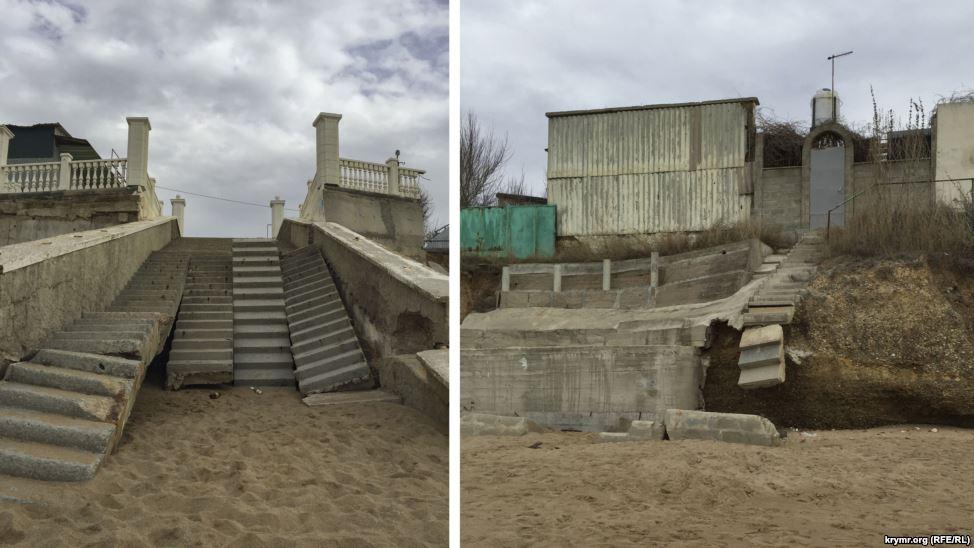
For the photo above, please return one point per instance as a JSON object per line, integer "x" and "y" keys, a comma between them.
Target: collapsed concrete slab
{"x": 762, "y": 359}
{"x": 483, "y": 424}
{"x": 729, "y": 427}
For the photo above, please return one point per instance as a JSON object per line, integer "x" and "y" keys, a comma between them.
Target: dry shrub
{"x": 783, "y": 139}
{"x": 894, "y": 223}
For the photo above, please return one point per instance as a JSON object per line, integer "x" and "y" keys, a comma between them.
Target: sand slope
{"x": 843, "y": 488}
{"x": 250, "y": 470}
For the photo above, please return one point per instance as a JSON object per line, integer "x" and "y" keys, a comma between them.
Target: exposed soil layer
{"x": 841, "y": 488}
{"x": 890, "y": 342}
{"x": 479, "y": 284}
{"x": 248, "y": 469}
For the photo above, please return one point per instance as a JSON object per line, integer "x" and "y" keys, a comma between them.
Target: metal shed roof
{"x": 651, "y": 107}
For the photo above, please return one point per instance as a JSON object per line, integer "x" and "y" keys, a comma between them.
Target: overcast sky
{"x": 522, "y": 58}
{"x": 231, "y": 90}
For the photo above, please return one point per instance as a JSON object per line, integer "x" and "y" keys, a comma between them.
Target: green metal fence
{"x": 518, "y": 232}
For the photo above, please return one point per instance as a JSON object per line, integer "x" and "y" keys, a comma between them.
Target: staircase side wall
{"x": 397, "y": 305}
{"x": 45, "y": 285}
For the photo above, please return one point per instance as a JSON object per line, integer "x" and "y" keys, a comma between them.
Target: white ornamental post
{"x": 64, "y": 172}
{"x": 138, "y": 151}
{"x": 178, "y": 205}
{"x": 393, "y": 164}
{"x": 277, "y": 215}
{"x": 326, "y": 148}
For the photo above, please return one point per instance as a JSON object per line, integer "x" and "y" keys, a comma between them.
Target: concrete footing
{"x": 729, "y": 427}
{"x": 483, "y": 424}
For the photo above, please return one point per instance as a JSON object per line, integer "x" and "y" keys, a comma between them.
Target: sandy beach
{"x": 835, "y": 488}
{"x": 249, "y": 470}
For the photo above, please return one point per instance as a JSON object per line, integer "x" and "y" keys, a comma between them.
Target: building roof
{"x": 46, "y": 140}
{"x": 439, "y": 241}
{"x": 505, "y": 198}
{"x": 753, "y": 100}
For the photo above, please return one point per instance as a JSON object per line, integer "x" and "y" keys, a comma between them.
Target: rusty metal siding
{"x": 649, "y": 202}
{"x": 663, "y": 169}
{"x": 646, "y": 141}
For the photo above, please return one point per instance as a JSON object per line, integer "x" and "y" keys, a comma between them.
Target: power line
{"x": 220, "y": 198}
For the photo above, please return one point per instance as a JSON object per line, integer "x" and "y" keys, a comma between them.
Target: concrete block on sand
{"x": 614, "y": 437}
{"x": 757, "y": 336}
{"x": 482, "y": 424}
{"x": 646, "y": 430}
{"x": 729, "y": 427}
{"x": 762, "y": 359}
{"x": 763, "y": 376}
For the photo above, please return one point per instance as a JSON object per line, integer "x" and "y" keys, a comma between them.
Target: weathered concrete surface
{"x": 646, "y": 430}
{"x": 582, "y": 387}
{"x": 438, "y": 363}
{"x": 32, "y": 216}
{"x": 484, "y": 424}
{"x": 729, "y": 427}
{"x": 398, "y": 306}
{"x": 47, "y": 284}
{"x": 393, "y": 221}
{"x": 345, "y": 398}
{"x": 418, "y": 385}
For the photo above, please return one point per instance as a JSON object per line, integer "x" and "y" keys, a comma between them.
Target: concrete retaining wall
{"x": 398, "y": 305}
{"x": 580, "y": 387}
{"x": 36, "y": 215}
{"x": 393, "y": 221}
{"x": 47, "y": 284}
{"x": 420, "y": 387}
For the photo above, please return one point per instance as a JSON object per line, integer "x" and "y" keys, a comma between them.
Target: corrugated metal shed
{"x": 511, "y": 231}
{"x": 654, "y": 168}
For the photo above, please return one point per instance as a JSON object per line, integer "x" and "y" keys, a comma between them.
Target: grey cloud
{"x": 520, "y": 59}
{"x": 231, "y": 89}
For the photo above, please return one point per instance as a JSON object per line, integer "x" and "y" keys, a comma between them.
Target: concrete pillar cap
{"x": 138, "y": 120}
{"x": 325, "y": 115}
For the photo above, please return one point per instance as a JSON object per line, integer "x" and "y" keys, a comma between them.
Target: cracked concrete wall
{"x": 32, "y": 216}
{"x": 45, "y": 285}
{"x": 393, "y": 221}
{"x": 398, "y": 306}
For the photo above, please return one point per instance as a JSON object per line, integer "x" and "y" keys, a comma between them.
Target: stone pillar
{"x": 5, "y": 136}
{"x": 326, "y": 149}
{"x": 393, "y": 164}
{"x": 557, "y": 278}
{"x": 606, "y": 274}
{"x": 654, "y": 270}
{"x": 138, "y": 151}
{"x": 506, "y": 278}
{"x": 277, "y": 215}
{"x": 64, "y": 172}
{"x": 178, "y": 205}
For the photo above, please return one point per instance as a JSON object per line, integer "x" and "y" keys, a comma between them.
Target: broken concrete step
{"x": 302, "y": 293}
{"x": 762, "y": 377}
{"x": 47, "y": 462}
{"x": 319, "y": 299}
{"x": 766, "y": 315}
{"x": 323, "y": 338}
{"x": 92, "y": 363}
{"x": 49, "y": 428}
{"x": 255, "y": 251}
{"x": 129, "y": 347}
{"x": 294, "y": 280}
{"x": 62, "y": 402}
{"x": 328, "y": 307}
{"x": 296, "y": 291}
{"x": 761, "y": 301}
{"x": 328, "y": 381}
{"x": 766, "y": 268}
{"x": 320, "y": 318}
{"x": 329, "y": 362}
{"x": 67, "y": 379}
{"x": 254, "y": 261}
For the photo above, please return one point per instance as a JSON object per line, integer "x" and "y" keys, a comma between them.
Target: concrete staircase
{"x": 787, "y": 277}
{"x": 261, "y": 346}
{"x": 202, "y": 347}
{"x": 762, "y": 360}
{"x": 64, "y": 410}
{"x": 326, "y": 351}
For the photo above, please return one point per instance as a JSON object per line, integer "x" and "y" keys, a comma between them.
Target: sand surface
{"x": 837, "y": 488}
{"x": 249, "y": 470}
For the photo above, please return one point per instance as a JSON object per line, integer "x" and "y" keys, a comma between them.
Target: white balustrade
{"x": 44, "y": 177}
{"x": 374, "y": 177}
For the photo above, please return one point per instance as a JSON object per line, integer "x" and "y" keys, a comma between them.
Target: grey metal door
{"x": 827, "y": 185}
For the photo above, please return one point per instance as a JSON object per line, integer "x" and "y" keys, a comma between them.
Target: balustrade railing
{"x": 374, "y": 177}
{"x": 82, "y": 175}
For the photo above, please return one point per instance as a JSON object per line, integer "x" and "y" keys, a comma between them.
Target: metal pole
{"x": 832, "y": 58}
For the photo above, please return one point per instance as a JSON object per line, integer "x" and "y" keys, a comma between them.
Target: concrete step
{"x": 317, "y": 338}
{"x": 61, "y": 402}
{"x": 47, "y": 462}
{"x": 256, "y": 271}
{"x": 255, "y": 251}
{"x": 39, "y": 427}
{"x": 258, "y": 318}
{"x": 227, "y": 315}
{"x": 257, "y": 330}
{"x": 197, "y": 354}
{"x": 206, "y": 307}
{"x": 320, "y": 331}
{"x": 254, "y": 261}
{"x": 296, "y": 271}
{"x": 760, "y": 301}
{"x": 330, "y": 380}
{"x": 225, "y": 333}
{"x": 207, "y": 299}
{"x": 313, "y": 353}
{"x": 67, "y": 379}
{"x": 762, "y": 377}
{"x": 766, "y": 315}
{"x": 312, "y": 273}
{"x": 258, "y": 281}
{"x": 254, "y": 360}
{"x": 199, "y": 366}
{"x": 112, "y": 332}
{"x": 329, "y": 307}
{"x": 318, "y": 299}
{"x": 264, "y": 377}
{"x": 306, "y": 292}
{"x": 296, "y": 291}
{"x": 257, "y": 305}
{"x": 336, "y": 362}
{"x": 184, "y": 343}
{"x": 254, "y": 242}
{"x": 272, "y": 293}
{"x": 322, "y": 317}
{"x": 131, "y": 348}
{"x": 261, "y": 345}
{"x": 192, "y": 325}
{"x": 92, "y": 363}
{"x": 141, "y": 328}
